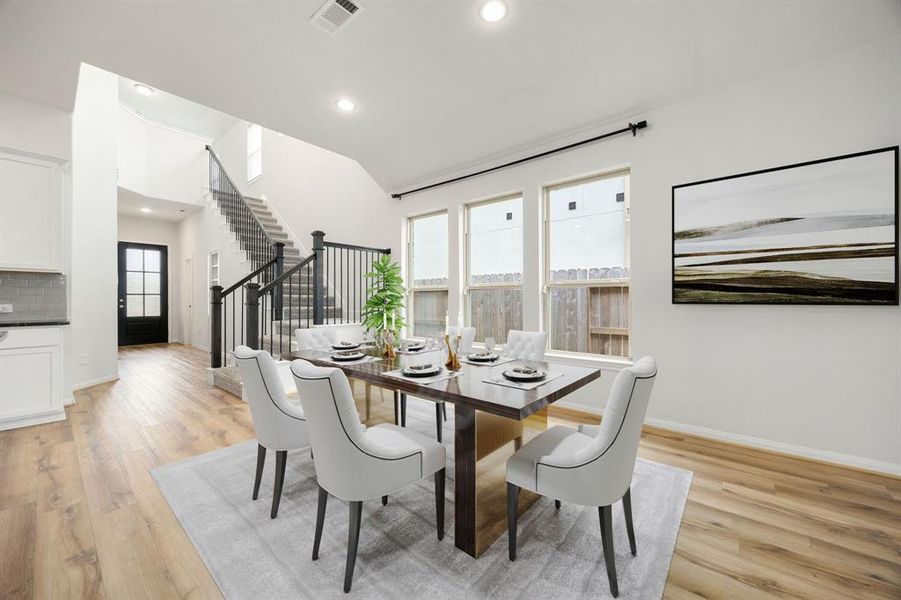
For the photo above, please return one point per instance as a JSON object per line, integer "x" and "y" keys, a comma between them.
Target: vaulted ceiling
{"x": 436, "y": 88}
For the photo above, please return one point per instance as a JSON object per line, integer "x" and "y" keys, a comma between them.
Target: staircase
{"x": 284, "y": 290}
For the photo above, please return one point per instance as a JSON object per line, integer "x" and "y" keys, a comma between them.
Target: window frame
{"x": 251, "y": 152}
{"x": 412, "y": 288}
{"x": 546, "y": 260}
{"x": 468, "y": 286}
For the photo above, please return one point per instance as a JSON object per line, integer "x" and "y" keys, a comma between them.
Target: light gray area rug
{"x": 254, "y": 557}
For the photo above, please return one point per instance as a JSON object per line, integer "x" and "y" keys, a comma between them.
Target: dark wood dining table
{"x": 486, "y": 417}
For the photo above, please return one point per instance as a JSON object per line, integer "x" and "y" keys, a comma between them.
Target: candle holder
{"x": 388, "y": 343}
{"x": 453, "y": 362}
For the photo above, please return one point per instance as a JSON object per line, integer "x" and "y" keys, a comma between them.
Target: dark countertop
{"x": 32, "y": 323}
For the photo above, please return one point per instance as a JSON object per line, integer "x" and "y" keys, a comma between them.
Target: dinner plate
{"x": 422, "y": 371}
{"x": 346, "y": 345}
{"x": 415, "y": 347}
{"x": 348, "y": 355}
{"x": 483, "y": 356}
{"x": 524, "y": 374}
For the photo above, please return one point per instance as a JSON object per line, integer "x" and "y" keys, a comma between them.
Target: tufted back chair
{"x": 350, "y": 463}
{"x": 525, "y": 345}
{"x": 279, "y": 424}
{"x": 315, "y": 338}
{"x": 600, "y": 472}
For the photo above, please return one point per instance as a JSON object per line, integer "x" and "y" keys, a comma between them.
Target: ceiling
{"x": 436, "y": 88}
{"x": 174, "y": 111}
{"x": 130, "y": 203}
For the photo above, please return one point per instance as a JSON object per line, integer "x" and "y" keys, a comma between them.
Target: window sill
{"x": 254, "y": 179}
{"x": 608, "y": 363}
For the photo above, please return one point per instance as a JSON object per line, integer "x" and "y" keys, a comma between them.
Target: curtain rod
{"x": 633, "y": 127}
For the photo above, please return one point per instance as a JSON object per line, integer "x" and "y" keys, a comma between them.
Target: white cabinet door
{"x": 29, "y": 382}
{"x": 30, "y": 213}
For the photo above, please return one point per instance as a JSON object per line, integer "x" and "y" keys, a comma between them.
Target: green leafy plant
{"x": 384, "y": 308}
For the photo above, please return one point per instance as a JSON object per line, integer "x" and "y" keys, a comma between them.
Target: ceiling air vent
{"x": 334, "y": 15}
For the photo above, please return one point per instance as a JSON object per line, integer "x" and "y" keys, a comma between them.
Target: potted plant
{"x": 383, "y": 311}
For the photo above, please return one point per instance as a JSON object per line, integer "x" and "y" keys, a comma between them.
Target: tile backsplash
{"x": 34, "y": 296}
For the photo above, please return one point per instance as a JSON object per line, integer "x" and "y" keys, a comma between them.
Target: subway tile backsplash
{"x": 34, "y": 296}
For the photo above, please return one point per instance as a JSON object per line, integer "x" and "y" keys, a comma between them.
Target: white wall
{"x": 34, "y": 127}
{"x": 817, "y": 380}
{"x": 159, "y": 161}
{"x": 93, "y": 277}
{"x": 162, "y": 233}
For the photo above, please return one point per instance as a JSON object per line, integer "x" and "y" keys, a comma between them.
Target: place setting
{"x": 486, "y": 357}
{"x": 424, "y": 373}
{"x": 349, "y": 352}
{"x": 522, "y": 377}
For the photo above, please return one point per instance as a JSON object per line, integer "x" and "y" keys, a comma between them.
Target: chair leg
{"x": 403, "y": 409}
{"x": 353, "y": 539}
{"x": 512, "y": 514}
{"x": 281, "y": 459}
{"x": 320, "y": 519}
{"x": 439, "y": 502}
{"x": 627, "y": 510}
{"x": 605, "y": 514}
{"x": 557, "y": 504}
{"x": 385, "y": 500}
{"x": 517, "y": 443}
{"x": 396, "y": 408}
{"x": 444, "y": 410}
{"x": 438, "y": 422}
{"x": 261, "y": 462}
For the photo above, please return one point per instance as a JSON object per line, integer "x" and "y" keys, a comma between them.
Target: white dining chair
{"x": 321, "y": 337}
{"x": 356, "y": 464}
{"x": 279, "y": 424}
{"x": 592, "y": 466}
{"x": 315, "y": 338}
{"x": 525, "y": 345}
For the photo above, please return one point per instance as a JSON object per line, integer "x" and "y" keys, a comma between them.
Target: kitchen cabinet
{"x": 30, "y": 213}
{"x": 30, "y": 376}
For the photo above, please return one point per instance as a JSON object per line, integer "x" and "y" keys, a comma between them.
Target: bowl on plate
{"x": 345, "y": 345}
{"x": 426, "y": 370}
{"x": 348, "y": 355}
{"x": 524, "y": 373}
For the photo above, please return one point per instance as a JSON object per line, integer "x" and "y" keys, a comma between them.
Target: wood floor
{"x": 80, "y": 516}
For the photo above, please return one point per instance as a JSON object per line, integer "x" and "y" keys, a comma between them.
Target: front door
{"x": 143, "y": 294}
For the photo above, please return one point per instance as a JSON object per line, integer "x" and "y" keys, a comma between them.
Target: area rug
{"x": 251, "y": 556}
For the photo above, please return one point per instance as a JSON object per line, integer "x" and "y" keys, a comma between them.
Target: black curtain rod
{"x": 633, "y": 127}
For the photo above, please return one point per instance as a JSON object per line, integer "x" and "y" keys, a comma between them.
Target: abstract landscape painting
{"x": 824, "y": 232}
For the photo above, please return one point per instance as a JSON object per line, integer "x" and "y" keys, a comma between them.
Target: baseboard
{"x": 59, "y": 415}
{"x": 815, "y": 454}
{"x": 92, "y": 382}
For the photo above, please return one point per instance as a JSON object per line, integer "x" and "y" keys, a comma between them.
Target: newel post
{"x": 318, "y": 273}
{"x": 252, "y": 321}
{"x": 278, "y": 293}
{"x": 216, "y": 326}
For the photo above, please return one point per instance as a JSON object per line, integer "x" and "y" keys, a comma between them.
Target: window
{"x": 427, "y": 265}
{"x": 142, "y": 282}
{"x": 212, "y": 277}
{"x": 494, "y": 267}
{"x": 254, "y": 151}
{"x": 587, "y": 262}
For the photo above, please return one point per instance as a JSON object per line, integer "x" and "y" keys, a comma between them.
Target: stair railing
{"x": 252, "y": 235}
{"x": 328, "y": 287}
{"x": 225, "y": 338}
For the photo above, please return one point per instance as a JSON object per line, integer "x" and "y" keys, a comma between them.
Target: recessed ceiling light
{"x": 345, "y": 104}
{"x": 144, "y": 90}
{"x": 493, "y": 11}
{"x": 145, "y": 209}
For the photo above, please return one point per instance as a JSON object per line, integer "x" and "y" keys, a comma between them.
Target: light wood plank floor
{"x": 80, "y": 516}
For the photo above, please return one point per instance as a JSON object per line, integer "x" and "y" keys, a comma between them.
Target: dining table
{"x": 490, "y": 421}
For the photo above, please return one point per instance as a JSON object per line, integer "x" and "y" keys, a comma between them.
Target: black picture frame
{"x": 897, "y": 239}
